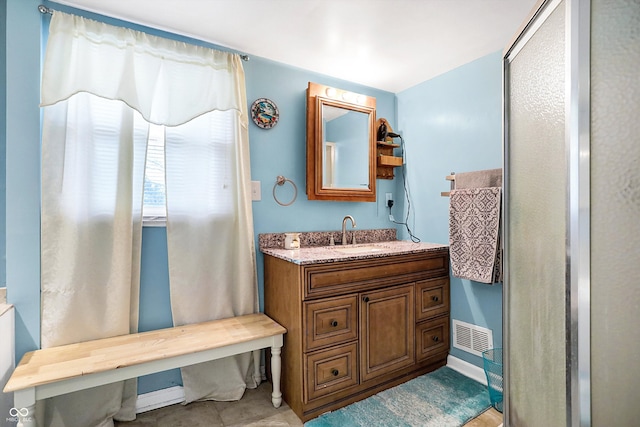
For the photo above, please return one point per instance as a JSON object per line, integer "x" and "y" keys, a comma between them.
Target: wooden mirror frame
{"x": 317, "y": 96}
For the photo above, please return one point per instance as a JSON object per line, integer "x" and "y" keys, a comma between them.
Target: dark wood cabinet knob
{"x": 435, "y": 298}
{"x": 365, "y": 299}
{"x": 334, "y": 323}
{"x": 436, "y": 339}
{"x": 335, "y": 372}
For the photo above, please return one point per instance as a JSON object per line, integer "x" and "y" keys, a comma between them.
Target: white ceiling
{"x": 387, "y": 44}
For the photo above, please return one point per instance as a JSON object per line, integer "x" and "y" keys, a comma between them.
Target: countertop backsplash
{"x": 309, "y": 239}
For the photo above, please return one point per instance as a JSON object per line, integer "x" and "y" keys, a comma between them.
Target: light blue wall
{"x": 3, "y": 145}
{"x": 453, "y": 123}
{"x": 23, "y": 169}
{"x": 155, "y": 305}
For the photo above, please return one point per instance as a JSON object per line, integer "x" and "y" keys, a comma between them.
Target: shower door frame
{"x": 577, "y": 145}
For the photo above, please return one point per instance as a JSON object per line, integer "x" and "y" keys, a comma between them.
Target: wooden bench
{"x": 58, "y": 370}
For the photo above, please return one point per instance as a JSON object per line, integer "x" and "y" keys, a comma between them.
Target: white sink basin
{"x": 358, "y": 249}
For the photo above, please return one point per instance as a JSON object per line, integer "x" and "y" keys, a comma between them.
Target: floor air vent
{"x": 471, "y": 338}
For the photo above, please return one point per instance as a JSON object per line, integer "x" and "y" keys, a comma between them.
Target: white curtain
{"x": 91, "y": 214}
{"x": 93, "y": 153}
{"x": 167, "y": 81}
{"x": 210, "y": 240}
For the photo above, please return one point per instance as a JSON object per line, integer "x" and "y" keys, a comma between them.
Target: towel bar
{"x": 451, "y": 178}
{"x": 475, "y": 179}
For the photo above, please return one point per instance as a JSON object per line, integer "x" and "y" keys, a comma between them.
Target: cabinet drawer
{"x": 432, "y": 298}
{"x": 432, "y": 337}
{"x": 330, "y": 321}
{"x": 330, "y": 371}
{"x": 349, "y": 276}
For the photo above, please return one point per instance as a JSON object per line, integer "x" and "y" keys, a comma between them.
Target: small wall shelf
{"x": 386, "y": 161}
{"x": 389, "y": 161}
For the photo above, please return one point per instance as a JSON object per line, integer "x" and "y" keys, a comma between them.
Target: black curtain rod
{"x": 44, "y": 9}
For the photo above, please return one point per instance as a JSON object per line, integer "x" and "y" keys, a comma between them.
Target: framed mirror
{"x": 340, "y": 145}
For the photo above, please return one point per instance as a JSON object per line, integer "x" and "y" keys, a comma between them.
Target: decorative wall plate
{"x": 264, "y": 113}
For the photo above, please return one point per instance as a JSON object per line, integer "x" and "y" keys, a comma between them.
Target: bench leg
{"x": 26, "y": 416}
{"x": 276, "y": 366}
{"x": 25, "y": 407}
{"x": 257, "y": 375}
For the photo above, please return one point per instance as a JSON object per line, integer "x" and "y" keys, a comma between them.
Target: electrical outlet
{"x": 388, "y": 196}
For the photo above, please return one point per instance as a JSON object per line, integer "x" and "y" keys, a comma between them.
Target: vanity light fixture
{"x": 348, "y": 96}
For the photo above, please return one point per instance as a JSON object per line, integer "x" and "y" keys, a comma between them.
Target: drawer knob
{"x": 435, "y": 298}
{"x": 435, "y": 338}
{"x": 334, "y": 323}
{"x": 335, "y": 372}
{"x": 365, "y": 299}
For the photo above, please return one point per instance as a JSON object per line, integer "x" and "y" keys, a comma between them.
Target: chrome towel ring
{"x": 280, "y": 181}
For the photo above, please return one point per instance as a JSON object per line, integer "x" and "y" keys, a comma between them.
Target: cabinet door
{"x": 386, "y": 331}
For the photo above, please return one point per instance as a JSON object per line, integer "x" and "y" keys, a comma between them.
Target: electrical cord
{"x": 413, "y": 238}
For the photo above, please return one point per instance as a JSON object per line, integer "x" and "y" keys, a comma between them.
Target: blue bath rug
{"x": 442, "y": 398}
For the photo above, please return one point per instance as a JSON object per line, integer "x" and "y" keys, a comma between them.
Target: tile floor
{"x": 253, "y": 410}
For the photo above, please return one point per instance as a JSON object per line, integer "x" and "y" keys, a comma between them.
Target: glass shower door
{"x": 536, "y": 194}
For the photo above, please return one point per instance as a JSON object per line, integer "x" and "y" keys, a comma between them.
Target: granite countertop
{"x": 326, "y": 254}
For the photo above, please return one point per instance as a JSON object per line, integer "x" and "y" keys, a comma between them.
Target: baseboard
{"x": 465, "y": 368}
{"x": 167, "y": 396}
{"x": 159, "y": 399}
{"x": 172, "y": 395}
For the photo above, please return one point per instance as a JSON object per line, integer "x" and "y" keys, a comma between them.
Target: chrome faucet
{"x": 344, "y": 228}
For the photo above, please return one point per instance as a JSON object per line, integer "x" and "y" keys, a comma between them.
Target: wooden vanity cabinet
{"x": 358, "y": 326}
{"x": 386, "y": 331}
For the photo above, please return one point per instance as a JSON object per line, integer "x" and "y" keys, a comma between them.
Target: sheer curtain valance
{"x": 167, "y": 81}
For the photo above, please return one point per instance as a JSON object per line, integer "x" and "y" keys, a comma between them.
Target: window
{"x": 154, "y": 211}
{"x": 205, "y": 144}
